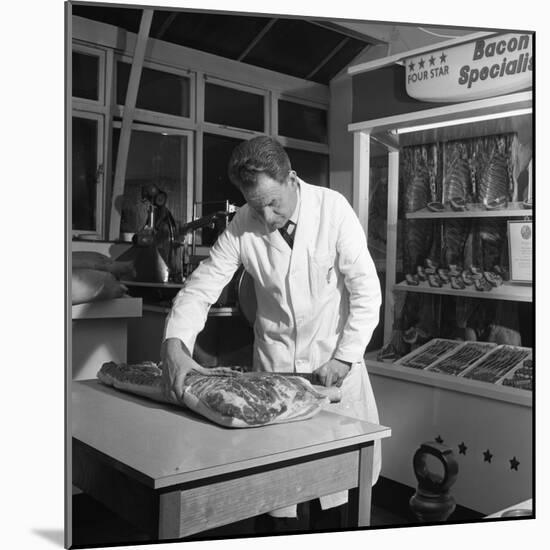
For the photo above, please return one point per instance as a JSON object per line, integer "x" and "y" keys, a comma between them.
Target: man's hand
{"x": 332, "y": 373}
{"x": 176, "y": 363}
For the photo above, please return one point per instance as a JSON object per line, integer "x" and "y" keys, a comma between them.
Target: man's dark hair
{"x": 258, "y": 155}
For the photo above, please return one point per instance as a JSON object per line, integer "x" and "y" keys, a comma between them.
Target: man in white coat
{"x": 318, "y": 294}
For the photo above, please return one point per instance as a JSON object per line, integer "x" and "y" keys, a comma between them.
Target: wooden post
{"x": 391, "y": 241}
{"x": 361, "y": 179}
{"x": 127, "y": 118}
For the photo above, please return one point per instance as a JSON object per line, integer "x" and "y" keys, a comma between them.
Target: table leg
{"x": 359, "y": 506}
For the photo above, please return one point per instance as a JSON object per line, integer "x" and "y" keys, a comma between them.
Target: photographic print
{"x": 292, "y": 274}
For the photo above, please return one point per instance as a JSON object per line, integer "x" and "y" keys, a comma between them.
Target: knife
{"x": 309, "y": 376}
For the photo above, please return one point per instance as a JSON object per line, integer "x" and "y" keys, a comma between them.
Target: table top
{"x": 166, "y": 445}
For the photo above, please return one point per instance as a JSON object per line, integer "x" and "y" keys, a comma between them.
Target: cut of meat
{"x": 141, "y": 379}
{"x": 224, "y": 396}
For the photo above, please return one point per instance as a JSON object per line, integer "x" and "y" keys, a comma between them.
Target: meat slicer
{"x": 161, "y": 252}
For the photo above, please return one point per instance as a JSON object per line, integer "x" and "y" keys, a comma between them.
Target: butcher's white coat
{"x": 316, "y": 301}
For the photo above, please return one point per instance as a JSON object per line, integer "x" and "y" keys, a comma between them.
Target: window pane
{"x": 302, "y": 122}
{"x": 153, "y": 158}
{"x": 217, "y": 188}
{"x": 159, "y": 91}
{"x": 85, "y": 76}
{"x": 84, "y": 190}
{"x": 311, "y": 167}
{"x": 232, "y": 107}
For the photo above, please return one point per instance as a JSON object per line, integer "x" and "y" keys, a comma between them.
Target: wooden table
{"x": 175, "y": 474}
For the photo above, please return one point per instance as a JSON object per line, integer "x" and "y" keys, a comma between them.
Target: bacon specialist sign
{"x": 487, "y": 67}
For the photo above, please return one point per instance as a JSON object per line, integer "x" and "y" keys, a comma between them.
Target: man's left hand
{"x": 332, "y": 373}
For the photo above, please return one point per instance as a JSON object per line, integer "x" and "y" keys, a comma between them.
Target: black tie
{"x": 288, "y": 236}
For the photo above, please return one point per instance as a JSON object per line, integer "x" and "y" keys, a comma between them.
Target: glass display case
{"x": 454, "y": 181}
{"x": 455, "y": 360}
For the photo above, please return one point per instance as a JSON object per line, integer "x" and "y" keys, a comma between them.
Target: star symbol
{"x": 421, "y": 63}
{"x": 443, "y": 58}
{"x": 432, "y": 60}
{"x": 514, "y": 463}
{"x": 411, "y": 66}
{"x": 487, "y": 456}
{"x": 462, "y": 448}
{"x": 439, "y": 439}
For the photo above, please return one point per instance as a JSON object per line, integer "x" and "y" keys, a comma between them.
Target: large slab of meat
{"x": 224, "y": 396}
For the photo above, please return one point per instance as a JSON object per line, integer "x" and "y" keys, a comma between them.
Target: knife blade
{"x": 309, "y": 376}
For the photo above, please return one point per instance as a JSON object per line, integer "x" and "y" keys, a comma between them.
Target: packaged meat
{"x": 225, "y": 396}
{"x": 462, "y": 358}
{"x": 496, "y": 364}
{"x": 427, "y": 354}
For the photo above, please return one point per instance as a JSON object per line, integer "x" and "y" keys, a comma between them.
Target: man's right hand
{"x": 176, "y": 363}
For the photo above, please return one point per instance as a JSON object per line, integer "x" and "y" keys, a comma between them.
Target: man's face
{"x": 272, "y": 202}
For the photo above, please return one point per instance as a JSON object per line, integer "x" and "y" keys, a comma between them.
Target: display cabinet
{"x": 453, "y": 177}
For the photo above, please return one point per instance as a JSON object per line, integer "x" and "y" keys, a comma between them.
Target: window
{"x": 87, "y": 169}
{"x": 216, "y": 186}
{"x": 159, "y": 91}
{"x": 232, "y": 107}
{"x": 85, "y": 69}
{"x": 156, "y": 156}
{"x": 311, "y": 167}
{"x": 300, "y": 121}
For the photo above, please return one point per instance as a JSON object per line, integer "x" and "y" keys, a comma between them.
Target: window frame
{"x": 296, "y": 143}
{"x": 209, "y": 79}
{"x": 155, "y": 117}
{"x": 189, "y": 134}
{"x": 193, "y": 126}
{"x": 100, "y": 173}
{"x": 82, "y": 102}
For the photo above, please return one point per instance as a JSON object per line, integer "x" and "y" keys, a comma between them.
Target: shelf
{"x": 106, "y": 309}
{"x": 507, "y": 291}
{"x": 212, "y": 312}
{"x": 514, "y": 210}
{"x": 448, "y": 382}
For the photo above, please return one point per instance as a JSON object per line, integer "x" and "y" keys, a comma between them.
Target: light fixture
{"x": 458, "y": 121}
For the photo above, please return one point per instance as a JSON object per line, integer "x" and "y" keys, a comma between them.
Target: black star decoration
{"x": 443, "y": 58}
{"x": 432, "y": 60}
{"x": 514, "y": 463}
{"x": 462, "y": 448}
{"x": 487, "y": 456}
{"x": 421, "y": 63}
{"x": 411, "y": 66}
{"x": 439, "y": 439}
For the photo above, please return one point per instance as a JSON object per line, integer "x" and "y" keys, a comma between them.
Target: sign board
{"x": 486, "y": 67}
{"x": 520, "y": 239}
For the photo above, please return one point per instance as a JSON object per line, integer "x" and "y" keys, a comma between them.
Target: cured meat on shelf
{"x": 456, "y": 172}
{"x": 497, "y": 363}
{"x": 429, "y": 353}
{"x": 493, "y": 161}
{"x": 225, "y": 396}
{"x": 418, "y": 234}
{"x": 521, "y": 377}
{"x": 458, "y": 361}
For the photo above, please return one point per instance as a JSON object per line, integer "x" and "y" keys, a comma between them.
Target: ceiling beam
{"x": 347, "y": 31}
{"x": 166, "y": 25}
{"x": 258, "y": 37}
{"x": 329, "y": 57}
{"x": 127, "y": 119}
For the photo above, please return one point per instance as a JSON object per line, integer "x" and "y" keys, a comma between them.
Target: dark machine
{"x": 161, "y": 252}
